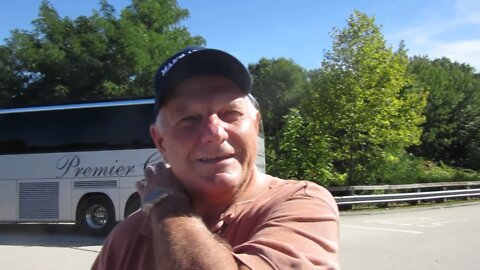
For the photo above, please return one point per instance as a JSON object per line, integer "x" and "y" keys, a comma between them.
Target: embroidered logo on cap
{"x": 170, "y": 64}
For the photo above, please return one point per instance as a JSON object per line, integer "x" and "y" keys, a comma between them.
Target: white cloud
{"x": 464, "y": 51}
{"x": 440, "y": 38}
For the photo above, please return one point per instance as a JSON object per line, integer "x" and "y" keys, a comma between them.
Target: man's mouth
{"x": 215, "y": 159}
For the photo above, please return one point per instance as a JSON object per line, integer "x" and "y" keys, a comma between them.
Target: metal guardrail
{"x": 460, "y": 190}
{"x": 404, "y": 197}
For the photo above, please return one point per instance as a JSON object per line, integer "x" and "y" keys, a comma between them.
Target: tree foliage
{"x": 363, "y": 103}
{"x": 304, "y": 151}
{"x": 101, "y": 56}
{"x": 452, "y": 129}
{"x": 279, "y": 84}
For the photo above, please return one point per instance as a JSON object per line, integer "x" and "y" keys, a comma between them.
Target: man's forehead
{"x": 206, "y": 85}
{"x": 180, "y": 105}
{"x": 224, "y": 99}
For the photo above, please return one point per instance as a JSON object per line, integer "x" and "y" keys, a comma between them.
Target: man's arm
{"x": 181, "y": 240}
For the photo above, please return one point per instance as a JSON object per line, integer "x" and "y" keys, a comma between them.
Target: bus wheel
{"x": 133, "y": 205}
{"x": 96, "y": 215}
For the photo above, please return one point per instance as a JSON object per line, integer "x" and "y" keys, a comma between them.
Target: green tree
{"x": 279, "y": 84}
{"x": 101, "y": 56}
{"x": 10, "y": 83}
{"x": 452, "y": 129}
{"x": 365, "y": 101}
{"x": 304, "y": 151}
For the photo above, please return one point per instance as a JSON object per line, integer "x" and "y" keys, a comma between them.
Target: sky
{"x": 299, "y": 30}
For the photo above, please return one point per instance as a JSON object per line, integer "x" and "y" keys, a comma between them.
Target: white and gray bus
{"x": 77, "y": 162}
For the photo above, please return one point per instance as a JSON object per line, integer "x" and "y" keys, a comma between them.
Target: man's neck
{"x": 211, "y": 210}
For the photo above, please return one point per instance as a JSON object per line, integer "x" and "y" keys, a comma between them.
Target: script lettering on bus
{"x": 153, "y": 159}
{"x": 70, "y": 166}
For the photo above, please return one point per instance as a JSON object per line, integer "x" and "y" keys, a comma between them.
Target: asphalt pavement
{"x": 46, "y": 247}
{"x": 437, "y": 238}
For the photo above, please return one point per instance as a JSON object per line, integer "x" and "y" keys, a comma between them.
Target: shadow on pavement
{"x": 51, "y": 235}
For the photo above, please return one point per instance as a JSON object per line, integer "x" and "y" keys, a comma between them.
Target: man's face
{"x": 207, "y": 132}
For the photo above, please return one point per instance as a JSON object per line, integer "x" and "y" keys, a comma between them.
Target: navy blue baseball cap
{"x": 194, "y": 61}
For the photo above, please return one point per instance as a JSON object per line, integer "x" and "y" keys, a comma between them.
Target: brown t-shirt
{"x": 293, "y": 225}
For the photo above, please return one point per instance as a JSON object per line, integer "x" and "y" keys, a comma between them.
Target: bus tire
{"x": 96, "y": 215}
{"x": 133, "y": 205}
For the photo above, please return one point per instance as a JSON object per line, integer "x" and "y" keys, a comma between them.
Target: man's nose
{"x": 213, "y": 131}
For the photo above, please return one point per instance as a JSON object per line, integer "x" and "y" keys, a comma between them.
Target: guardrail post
{"x": 417, "y": 201}
{"x": 444, "y": 199}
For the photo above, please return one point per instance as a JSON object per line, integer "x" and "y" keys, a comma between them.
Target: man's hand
{"x": 159, "y": 176}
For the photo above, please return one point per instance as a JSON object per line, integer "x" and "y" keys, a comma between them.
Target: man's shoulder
{"x": 290, "y": 188}
{"x": 132, "y": 226}
{"x": 126, "y": 246}
{"x": 299, "y": 187}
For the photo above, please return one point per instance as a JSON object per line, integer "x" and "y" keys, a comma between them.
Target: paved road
{"x": 426, "y": 238}
{"x": 46, "y": 247}
{"x": 437, "y": 238}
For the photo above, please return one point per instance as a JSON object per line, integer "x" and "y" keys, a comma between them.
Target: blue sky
{"x": 299, "y": 30}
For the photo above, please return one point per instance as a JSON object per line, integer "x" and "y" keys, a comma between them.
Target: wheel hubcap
{"x": 96, "y": 216}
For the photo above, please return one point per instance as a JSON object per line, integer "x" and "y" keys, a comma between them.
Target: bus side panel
{"x": 42, "y": 200}
{"x": 8, "y": 200}
{"x": 66, "y": 199}
{"x": 29, "y": 191}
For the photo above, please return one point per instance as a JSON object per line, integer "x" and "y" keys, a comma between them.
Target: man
{"x": 207, "y": 206}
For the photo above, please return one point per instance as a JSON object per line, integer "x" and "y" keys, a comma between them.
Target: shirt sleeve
{"x": 302, "y": 232}
{"x": 128, "y": 246}
{"x": 105, "y": 259}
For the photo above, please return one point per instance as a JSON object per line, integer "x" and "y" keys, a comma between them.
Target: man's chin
{"x": 228, "y": 178}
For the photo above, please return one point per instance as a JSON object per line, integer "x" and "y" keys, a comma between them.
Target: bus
{"x": 77, "y": 162}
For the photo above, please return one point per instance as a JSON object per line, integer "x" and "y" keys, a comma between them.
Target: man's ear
{"x": 157, "y": 139}
{"x": 258, "y": 121}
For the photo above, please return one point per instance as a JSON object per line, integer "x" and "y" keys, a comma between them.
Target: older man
{"x": 207, "y": 206}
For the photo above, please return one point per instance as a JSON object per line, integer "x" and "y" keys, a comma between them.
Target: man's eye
{"x": 231, "y": 116}
{"x": 188, "y": 121}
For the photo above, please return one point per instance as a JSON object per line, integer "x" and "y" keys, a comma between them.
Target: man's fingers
{"x": 161, "y": 166}
{"x": 141, "y": 188}
{"x": 157, "y": 169}
{"x": 161, "y": 176}
{"x": 140, "y": 185}
{"x": 156, "y": 176}
{"x": 149, "y": 172}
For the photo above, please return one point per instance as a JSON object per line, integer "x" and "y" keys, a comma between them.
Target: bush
{"x": 407, "y": 169}
{"x": 401, "y": 168}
